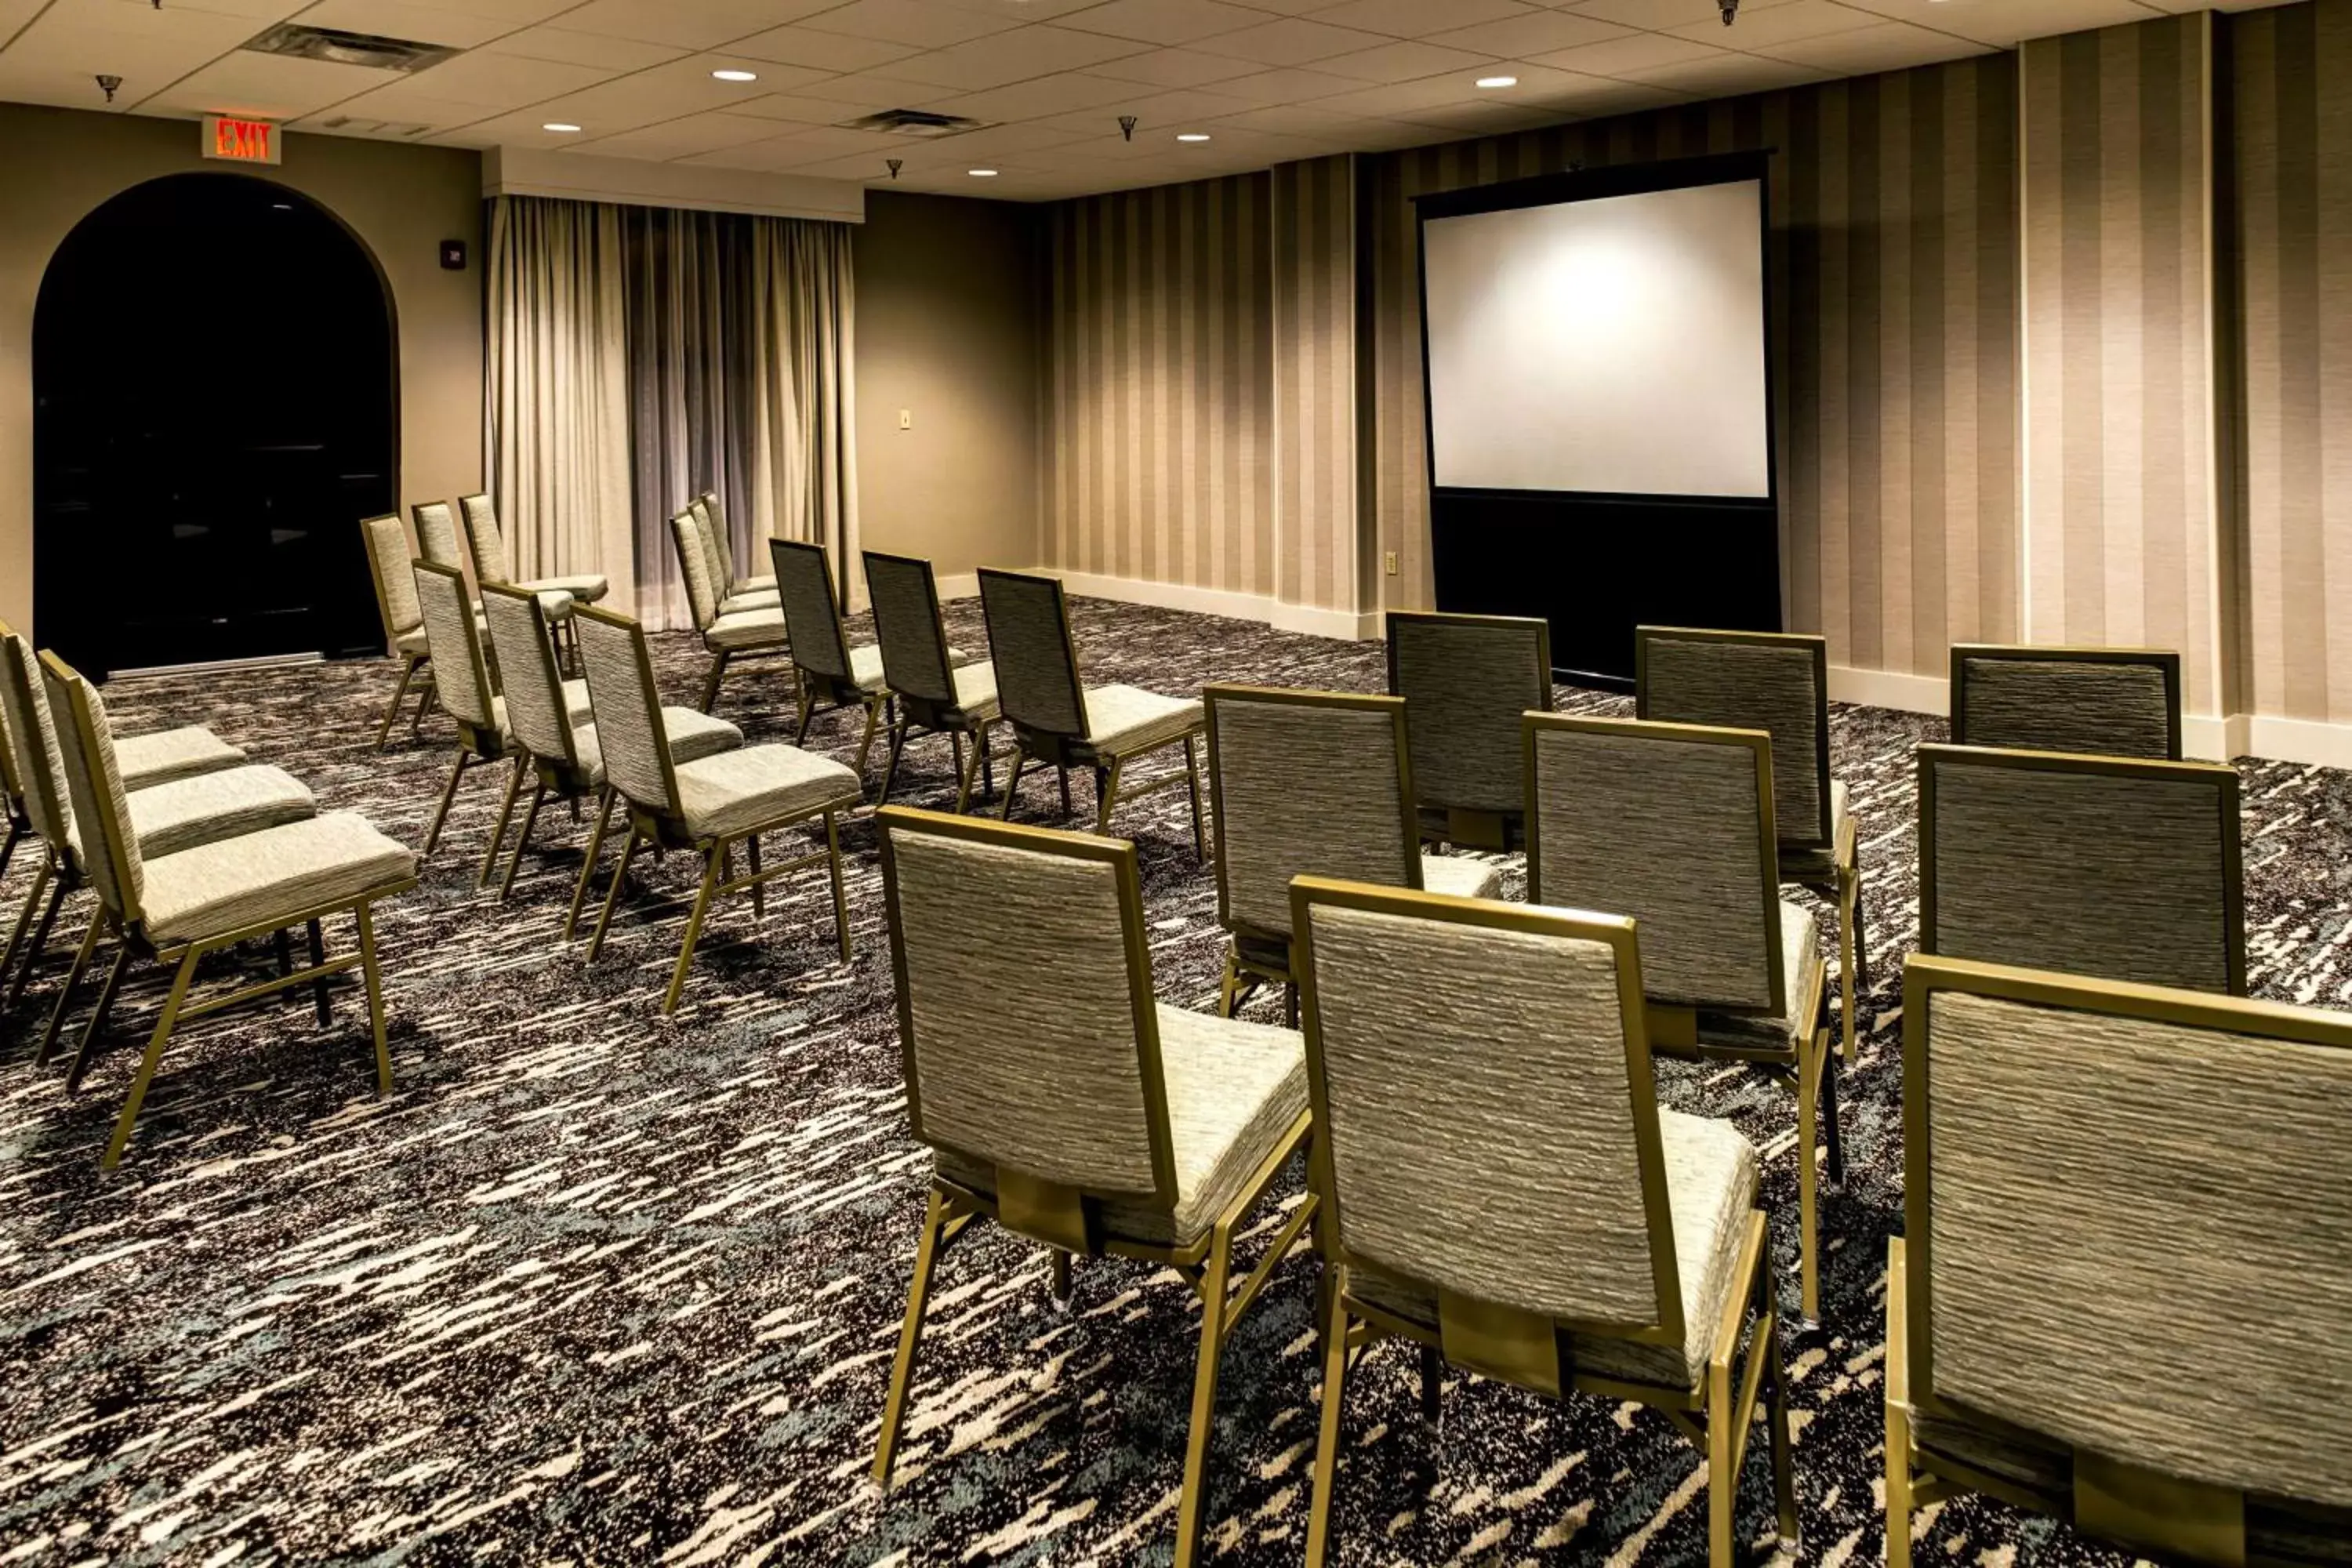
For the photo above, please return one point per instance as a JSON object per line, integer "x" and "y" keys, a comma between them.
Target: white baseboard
{"x": 1263, "y": 608}
{"x": 958, "y": 585}
{"x": 2293, "y": 739}
{"x": 1890, "y": 689}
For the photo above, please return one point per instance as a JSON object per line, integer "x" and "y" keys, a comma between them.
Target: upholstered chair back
{"x": 1772, "y": 681}
{"x": 436, "y": 534}
{"x": 702, "y": 586}
{"x": 2120, "y": 1236}
{"x": 396, "y": 590}
{"x": 1482, "y": 1101}
{"x": 710, "y": 512}
{"x": 1025, "y": 1001}
{"x": 812, "y": 612}
{"x": 536, "y": 709}
{"x": 2116, "y": 703}
{"x": 38, "y": 745}
{"x": 629, "y": 729}
{"x": 1465, "y": 681}
{"x": 1029, "y": 640}
{"x": 1306, "y": 782}
{"x": 488, "y": 540}
{"x": 12, "y": 785}
{"x": 460, "y": 678}
{"x": 1671, "y": 824}
{"x": 110, "y": 848}
{"x": 907, "y": 626}
{"x": 2103, "y": 865}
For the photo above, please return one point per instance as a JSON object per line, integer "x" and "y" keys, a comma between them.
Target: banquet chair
{"x": 1672, "y": 825}
{"x": 2120, "y": 1293}
{"x": 403, "y": 621}
{"x": 1065, "y": 1102}
{"x": 1501, "y": 1186}
{"x": 1777, "y": 683}
{"x": 726, "y": 634}
{"x": 176, "y": 908}
{"x": 707, "y": 804}
{"x": 1466, "y": 679}
{"x": 557, "y": 742}
{"x": 462, "y": 676}
{"x": 830, "y": 673}
{"x": 1064, "y": 723}
{"x": 492, "y": 565}
{"x": 718, "y": 543}
{"x": 1311, "y": 783}
{"x": 2111, "y": 866}
{"x": 437, "y": 544}
{"x": 2110, "y": 701}
{"x": 11, "y": 797}
{"x": 936, "y": 693}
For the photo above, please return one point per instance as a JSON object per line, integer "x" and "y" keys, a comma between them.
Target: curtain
{"x": 805, "y": 477}
{"x": 556, "y": 414}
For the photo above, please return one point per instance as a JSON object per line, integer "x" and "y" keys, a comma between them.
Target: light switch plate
{"x": 1392, "y": 561}
{"x": 906, "y": 419}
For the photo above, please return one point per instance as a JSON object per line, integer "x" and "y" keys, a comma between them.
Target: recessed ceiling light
{"x": 981, "y": 173}
{"x": 560, "y": 127}
{"x": 734, "y": 76}
{"x": 1191, "y": 136}
{"x": 1498, "y": 81}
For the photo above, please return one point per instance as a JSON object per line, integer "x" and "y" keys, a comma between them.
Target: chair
{"x": 1465, "y": 681}
{"x": 936, "y": 693}
{"x": 484, "y": 733}
{"x": 12, "y": 796}
{"x": 1062, "y": 1100}
{"x": 177, "y": 908}
{"x": 2100, "y": 865}
{"x": 403, "y": 621}
{"x": 1311, "y": 783}
{"x": 1500, "y": 1187}
{"x": 2113, "y": 702}
{"x": 829, "y": 671}
{"x": 746, "y": 593}
{"x": 2121, "y": 1289}
{"x": 1673, "y": 825}
{"x": 726, "y": 634}
{"x": 436, "y": 544}
{"x": 492, "y": 565}
{"x": 557, "y": 742}
{"x": 1779, "y": 683}
{"x": 1060, "y": 722}
{"x": 707, "y": 804}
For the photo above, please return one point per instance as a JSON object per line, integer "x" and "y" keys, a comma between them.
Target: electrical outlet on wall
{"x": 1392, "y": 561}
{"x": 906, "y": 419}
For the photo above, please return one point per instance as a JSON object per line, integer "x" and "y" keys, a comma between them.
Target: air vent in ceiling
{"x": 349, "y": 49}
{"x": 349, "y": 125}
{"x": 914, "y": 123}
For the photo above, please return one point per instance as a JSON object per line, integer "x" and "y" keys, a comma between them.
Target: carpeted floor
{"x": 596, "y": 1287}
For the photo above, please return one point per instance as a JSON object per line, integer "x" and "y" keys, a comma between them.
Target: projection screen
{"x": 1612, "y": 346}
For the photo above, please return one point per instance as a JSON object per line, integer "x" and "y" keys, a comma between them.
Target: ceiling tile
{"x": 687, "y": 24}
{"x": 446, "y": 25}
{"x": 1034, "y": 100}
{"x": 1884, "y": 46}
{"x": 1164, "y": 21}
{"x": 1635, "y": 51}
{"x": 608, "y": 54}
{"x": 1524, "y": 38}
{"x": 2007, "y": 22}
{"x": 1294, "y": 86}
{"x": 265, "y": 87}
{"x": 1419, "y": 18}
{"x": 501, "y": 81}
{"x": 909, "y": 22}
{"x": 1780, "y": 25}
{"x": 1174, "y": 67}
{"x": 1662, "y": 14}
{"x": 1292, "y": 41}
{"x": 682, "y": 138}
{"x": 1402, "y": 61}
{"x": 1015, "y": 54}
{"x": 821, "y": 51}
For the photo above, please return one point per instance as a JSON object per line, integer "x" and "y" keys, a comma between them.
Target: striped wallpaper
{"x": 1317, "y": 561}
{"x": 2294, "y": 298}
{"x": 2123, "y": 524}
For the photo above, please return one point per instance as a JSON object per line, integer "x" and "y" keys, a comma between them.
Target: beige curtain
{"x": 556, "y": 398}
{"x": 804, "y": 392}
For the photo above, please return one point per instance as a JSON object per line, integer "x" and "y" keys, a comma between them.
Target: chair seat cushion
{"x": 1802, "y": 967}
{"x": 752, "y": 604}
{"x": 866, "y": 669}
{"x": 693, "y": 735}
{"x": 766, "y": 584}
{"x": 975, "y": 689}
{"x": 1128, "y": 719}
{"x": 413, "y": 643}
{"x": 1711, "y": 1174}
{"x": 587, "y": 588}
{"x": 1459, "y": 876}
{"x": 270, "y": 876}
{"x": 750, "y": 628}
{"x": 556, "y": 604}
{"x": 187, "y": 812}
{"x": 167, "y": 754}
{"x": 1233, "y": 1090}
{"x": 1819, "y": 863}
{"x": 734, "y": 791}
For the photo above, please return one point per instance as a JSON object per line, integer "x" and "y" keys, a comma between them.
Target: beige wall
{"x": 401, "y": 201}
{"x": 947, "y": 329}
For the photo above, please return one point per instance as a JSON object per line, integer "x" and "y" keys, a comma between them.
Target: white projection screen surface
{"x": 1612, "y": 346}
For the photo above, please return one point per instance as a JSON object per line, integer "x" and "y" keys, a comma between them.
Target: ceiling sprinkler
{"x": 112, "y": 84}
{"x": 1730, "y": 8}
{"x": 1126, "y": 127}
{"x": 895, "y": 164}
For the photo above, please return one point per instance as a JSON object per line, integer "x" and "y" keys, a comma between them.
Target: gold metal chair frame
{"x": 185, "y": 957}
{"x": 2164, "y": 661}
{"x": 1842, "y": 888}
{"x": 1716, "y": 1414}
{"x": 2221, "y": 775}
{"x": 560, "y": 636}
{"x": 412, "y": 663}
{"x": 11, "y": 797}
{"x": 721, "y": 658}
{"x": 559, "y": 778}
{"x": 1065, "y": 1220}
{"x": 668, "y": 830}
{"x": 1675, "y": 1030}
{"x": 820, "y": 687}
{"x": 2170, "y": 1518}
{"x": 1256, "y": 957}
{"x": 1497, "y": 831}
{"x": 1062, "y": 752}
{"x": 920, "y": 715}
{"x": 475, "y": 746}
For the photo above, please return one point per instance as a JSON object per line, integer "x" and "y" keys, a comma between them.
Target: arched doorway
{"x": 215, "y": 409}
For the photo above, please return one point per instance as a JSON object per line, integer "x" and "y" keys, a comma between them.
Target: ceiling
{"x": 1266, "y": 80}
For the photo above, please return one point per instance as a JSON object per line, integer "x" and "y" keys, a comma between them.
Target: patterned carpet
{"x": 596, "y": 1287}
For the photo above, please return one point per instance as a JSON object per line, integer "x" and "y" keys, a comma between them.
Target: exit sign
{"x": 240, "y": 141}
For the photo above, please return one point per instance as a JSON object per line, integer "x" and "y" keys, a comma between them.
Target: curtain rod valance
{"x": 628, "y": 182}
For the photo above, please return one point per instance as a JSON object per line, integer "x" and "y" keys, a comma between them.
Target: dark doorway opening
{"x": 214, "y": 393}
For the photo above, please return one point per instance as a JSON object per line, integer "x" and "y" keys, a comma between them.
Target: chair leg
{"x": 1831, "y": 1133}
{"x": 800, "y": 720}
{"x": 319, "y": 986}
{"x": 1192, "y": 780}
{"x": 840, "y": 896}
{"x": 620, "y": 874}
{"x": 1847, "y": 961}
{"x": 530, "y": 820}
{"x": 96, "y": 1028}
{"x": 1899, "y": 1412}
{"x": 1064, "y": 775}
{"x": 1229, "y": 990}
{"x": 976, "y": 755}
{"x": 41, "y": 876}
{"x": 1722, "y": 1469}
{"x": 8, "y": 848}
{"x": 1012, "y": 785}
{"x": 1106, "y": 792}
{"x": 40, "y": 943}
{"x": 759, "y": 889}
{"x": 506, "y": 814}
{"x": 588, "y": 866}
{"x": 65, "y": 993}
{"x": 1810, "y": 1069}
{"x": 448, "y": 794}
{"x": 717, "y": 858}
{"x": 1861, "y": 929}
{"x": 890, "y": 769}
{"x": 429, "y": 700}
{"x": 910, "y": 1334}
{"x": 866, "y": 746}
{"x": 1784, "y": 1467}
{"x": 1193, "y": 1500}
{"x": 374, "y": 973}
{"x": 1057, "y": 1265}
{"x": 1327, "y": 1442}
{"x": 711, "y": 686}
{"x": 146, "y": 1075}
{"x": 399, "y": 696}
